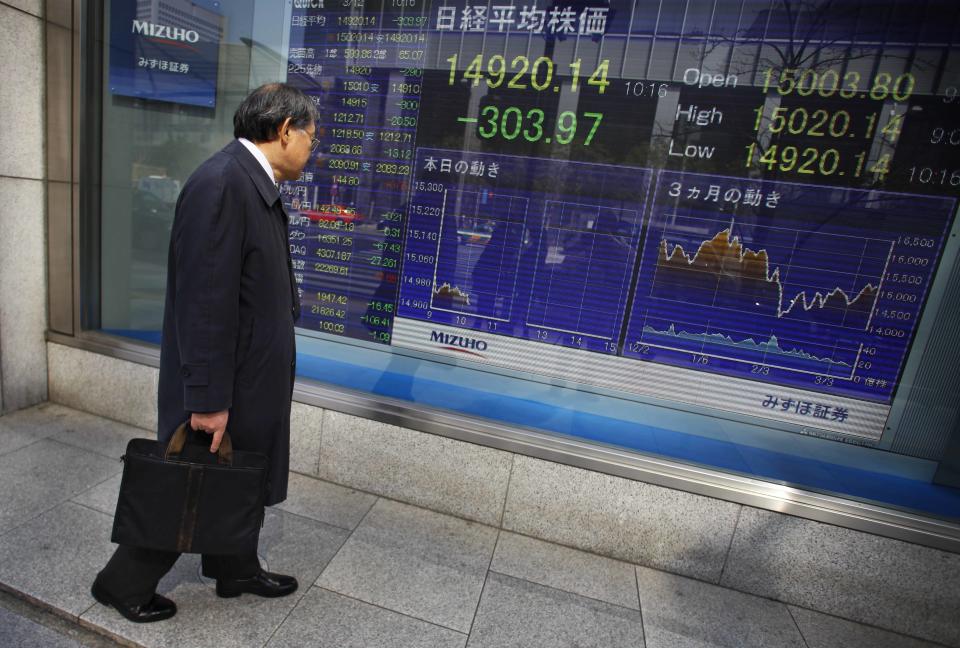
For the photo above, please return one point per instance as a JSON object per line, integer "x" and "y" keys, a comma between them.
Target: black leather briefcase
{"x": 184, "y": 498}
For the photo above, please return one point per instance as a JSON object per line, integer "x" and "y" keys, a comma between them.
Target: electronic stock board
{"x": 733, "y": 204}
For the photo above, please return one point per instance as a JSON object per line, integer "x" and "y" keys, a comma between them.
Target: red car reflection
{"x": 332, "y": 213}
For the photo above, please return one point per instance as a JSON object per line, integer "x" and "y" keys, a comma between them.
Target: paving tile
{"x": 25, "y": 426}
{"x": 423, "y": 469}
{"x": 102, "y": 497}
{"x": 41, "y": 420}
{"x": 38, "y": 477}
{"x": 55, "y": 557}
{"x": 70, "y": 426}
{"x": 423, "y": 564}
{"x": 100, "y": 435}
{"x": 640, "y": 523}
{"x": 825, "y": 631}
{"x": 521, "y": 614}
{"x": 682, "y": 613}
{"x": 324, "y": 619}
{"x": 566, "y": 569}
{"x": 285, "y": 549}
{"x": 879, "y": 581}
{"x": 20, "y": 632}
{"x": 299, "y": 547}
{"x": 288, "y": 544}
{"x": 12, "y": 439}
{"x": 326, "y": 502}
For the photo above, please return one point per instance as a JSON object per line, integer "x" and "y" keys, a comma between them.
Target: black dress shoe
{"x": 262, "y": 584}
{"x": 157, "y": 609}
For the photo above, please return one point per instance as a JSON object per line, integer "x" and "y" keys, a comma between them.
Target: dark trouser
{"x": 133, "y": 573}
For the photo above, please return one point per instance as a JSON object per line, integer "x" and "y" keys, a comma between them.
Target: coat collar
{"x": 268, "y": 190}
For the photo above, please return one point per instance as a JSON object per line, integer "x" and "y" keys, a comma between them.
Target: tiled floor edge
{"x": 791, "y": 607}
{"x": 43, "y": 605}
{"x": 726, "y": 562}
{"x": 726, "y": 558}
{"x": 82, "y": 621}
{"x": 784, "y": 600}
{"x": 100, "y": 630}
{"x": 412, "y": 617}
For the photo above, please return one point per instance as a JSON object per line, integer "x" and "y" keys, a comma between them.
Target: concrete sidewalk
{"x": 26, "y": 625}
{"x": 373, "y": 572}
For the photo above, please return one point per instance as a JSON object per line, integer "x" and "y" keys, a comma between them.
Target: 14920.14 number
{"x": 537, "y": 74}
{"x": 815, "y": 161}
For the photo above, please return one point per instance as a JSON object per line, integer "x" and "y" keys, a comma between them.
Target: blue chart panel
{"x": 586, "y": 257}
{"x": 793, "y": 284}
{"x": 478, "y": 254}
{"x": 532, "y": 248}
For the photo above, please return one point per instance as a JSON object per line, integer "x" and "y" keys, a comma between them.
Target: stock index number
{"x": 823, "y": 123}
{"x": 523, "y": 73}
{"x": 807, "y": 82}
{"x": 817, "y": 162}
{"x": 512, "y": 123}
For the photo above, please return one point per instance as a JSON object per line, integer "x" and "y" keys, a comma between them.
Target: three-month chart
{"x": 531, "y": 248}
{"x": 803, "y": 286}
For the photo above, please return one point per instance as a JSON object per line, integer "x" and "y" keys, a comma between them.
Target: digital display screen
{"x": 732, "y": 204}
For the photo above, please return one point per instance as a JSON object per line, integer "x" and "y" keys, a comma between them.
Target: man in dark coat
{"x": 227, "y": 359}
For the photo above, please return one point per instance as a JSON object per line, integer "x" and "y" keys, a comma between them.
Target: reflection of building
{"x": 184, "y": 14}
{"x": 184, "y": 128}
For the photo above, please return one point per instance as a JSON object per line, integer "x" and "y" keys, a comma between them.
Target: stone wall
{"x": 23, "y": 317}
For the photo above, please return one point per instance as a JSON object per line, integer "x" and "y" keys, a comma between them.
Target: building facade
{"x": 674, "y": 283}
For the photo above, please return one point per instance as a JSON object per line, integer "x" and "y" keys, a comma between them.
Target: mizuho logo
{"x": 458, "y": 341}
{"x": 308, "y": 4}
{"x": 165, "y": 31}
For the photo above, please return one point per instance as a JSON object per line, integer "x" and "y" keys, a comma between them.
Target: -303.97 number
{"x": 512, "y": 123}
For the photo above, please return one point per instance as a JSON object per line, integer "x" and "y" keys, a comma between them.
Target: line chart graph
{"x": 725, "y": 274}
{"x": 821, "y": 290}
{"x": 477, "y": 253}
{"x": 544, "y": 250}
{"x": 726, "y": 254}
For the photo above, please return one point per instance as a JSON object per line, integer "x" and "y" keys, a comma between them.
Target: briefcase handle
{"x": 179, "y": 438}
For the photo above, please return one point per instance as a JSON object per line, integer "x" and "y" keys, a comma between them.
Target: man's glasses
{"x": 314, "y": 142}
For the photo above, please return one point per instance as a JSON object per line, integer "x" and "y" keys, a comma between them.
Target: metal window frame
{"x": 83, "y": 138}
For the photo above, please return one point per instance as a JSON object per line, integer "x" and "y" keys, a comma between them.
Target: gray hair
{"x": 265, "y": 109}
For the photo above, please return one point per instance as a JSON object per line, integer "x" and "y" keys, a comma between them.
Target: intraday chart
{"x": 537, "y": 249}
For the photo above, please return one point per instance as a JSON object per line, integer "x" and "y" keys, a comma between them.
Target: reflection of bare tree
{"x": 812, "y": 39}
{"x": 807, "y": 21}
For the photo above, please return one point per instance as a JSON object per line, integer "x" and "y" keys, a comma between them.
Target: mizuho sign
{"x": 164, "y": 31}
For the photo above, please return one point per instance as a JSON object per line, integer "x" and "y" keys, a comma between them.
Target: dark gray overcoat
{"x": 228, "y": 339}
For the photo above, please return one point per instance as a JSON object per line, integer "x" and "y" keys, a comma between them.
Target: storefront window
{"x": 718, "y": 231}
